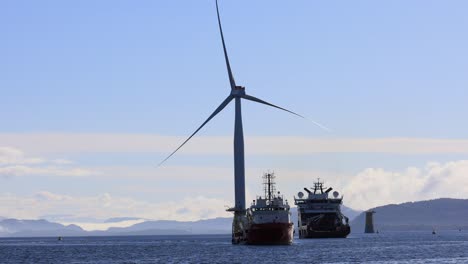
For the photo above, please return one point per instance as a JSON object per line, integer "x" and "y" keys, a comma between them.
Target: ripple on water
{"x": 392, "y": 247}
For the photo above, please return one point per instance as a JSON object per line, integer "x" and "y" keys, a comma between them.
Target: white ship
{"x": 319, "y": 216}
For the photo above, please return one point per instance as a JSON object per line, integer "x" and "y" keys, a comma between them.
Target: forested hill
{"x": 443, "y": 213}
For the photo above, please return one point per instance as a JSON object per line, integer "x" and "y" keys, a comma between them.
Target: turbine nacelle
{"x": 238, "y": 91}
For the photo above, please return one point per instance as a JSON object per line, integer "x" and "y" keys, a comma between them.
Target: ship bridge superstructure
{"x": 271, "y": 207}
{"x": 320, "y": 215}
{"x": 318, "y": 199}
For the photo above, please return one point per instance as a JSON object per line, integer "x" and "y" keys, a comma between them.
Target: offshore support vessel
{"x": 269, "y": 218}
{"x": 320, "y": 216}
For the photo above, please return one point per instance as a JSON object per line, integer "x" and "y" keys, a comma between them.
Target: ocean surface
{"x": 386, "y": 247}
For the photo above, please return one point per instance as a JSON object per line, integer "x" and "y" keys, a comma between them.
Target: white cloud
{"x": 13, "y": 162}
{"x": 278, "y": 145}
{"x": 167, "y": 172}
{"x": 369, "y": 188}
{"x": 104, "y": 206}
{"x": 15, "y": 156}
{"x": 21, "y": 170}
{"x": 48, "y": 196}
{"x": 373, "y": 187}
{"x": 91, "y": 226}
{"x": 61, "y": 161}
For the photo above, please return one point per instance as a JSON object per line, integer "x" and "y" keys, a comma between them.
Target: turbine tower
{"x": 237, "y": 93}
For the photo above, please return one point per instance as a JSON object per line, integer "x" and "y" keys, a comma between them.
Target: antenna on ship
{"x": 318, "y": 186}
{"x": 269, "y": 185}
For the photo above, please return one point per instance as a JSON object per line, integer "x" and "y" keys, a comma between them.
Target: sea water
{"x": 385, "y": 247}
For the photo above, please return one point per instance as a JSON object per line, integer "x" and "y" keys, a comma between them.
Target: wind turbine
{"x": 237, "y": 93}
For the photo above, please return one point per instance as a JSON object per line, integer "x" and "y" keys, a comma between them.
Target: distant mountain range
{"x": 444, "y": 213}
{"x": 22, "y": 228}
{"x": 38, "y": 228}
{"x": 439, "y": 213}
{"x": 35, "y": 228}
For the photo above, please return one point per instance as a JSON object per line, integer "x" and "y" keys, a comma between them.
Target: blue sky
{"x": 366, "y": 69}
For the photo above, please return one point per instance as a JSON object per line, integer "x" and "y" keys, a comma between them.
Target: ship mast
{"x": 318, "y": 186}
{"x": 269, "y": 185}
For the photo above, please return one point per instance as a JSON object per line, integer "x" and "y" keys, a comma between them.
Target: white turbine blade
{"x": 228, "y": 65}
{"x": 255, "y": 99}
{"x": 220, "y": 107}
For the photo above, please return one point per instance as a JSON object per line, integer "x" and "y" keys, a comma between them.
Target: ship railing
{"x": 273, "y": 197}
{"x": 316, "y": 201}
{"x": 279, "y": 208}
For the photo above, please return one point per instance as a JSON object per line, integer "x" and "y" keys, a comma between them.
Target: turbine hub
{"x": 238, "y": 91}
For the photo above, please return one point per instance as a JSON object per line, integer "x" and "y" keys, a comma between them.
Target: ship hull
{"x": 343, "y": 233}
{"x": 270, "y": 234}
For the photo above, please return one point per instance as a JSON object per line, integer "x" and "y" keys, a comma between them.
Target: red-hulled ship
{"x": 269, "y": 217}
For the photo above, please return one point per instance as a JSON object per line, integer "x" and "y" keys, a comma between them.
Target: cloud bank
{"x": 369, "y": 188}
{"x": 373, "y": 186}
{"x": 279, "y": 145}
{"x": 104, "y": 206}
{"x": 10, "y": 155}
{"x": 13, "y": 162}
